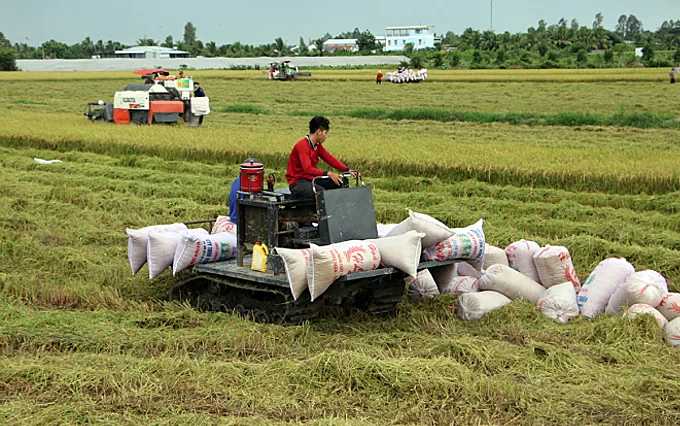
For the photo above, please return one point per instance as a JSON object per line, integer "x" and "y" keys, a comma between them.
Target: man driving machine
{"x": 304, "y": 158}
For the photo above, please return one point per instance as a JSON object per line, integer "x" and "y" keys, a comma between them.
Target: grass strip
{"x": 643, "y": 120}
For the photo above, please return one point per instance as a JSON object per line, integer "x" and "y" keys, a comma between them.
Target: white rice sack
{"x": 296, "y": 262}
{"x": 673, "y": 333}
{"x": 137, "y": 242}
{"x": 494, "y": 256}
{"x": 460, "y": 285}
{"x": 443, "y": 275}
{"x": 328, "y": 263}
{"x": 640, "y": 287}
{"x": 199, "y": 249}
{"x": 559, "y": 303}
{"x": 644, "y": 309}
{"x": 384, "y": 229}
{"x": 601, "y": 284}
{"x": 433, "y": 229}
{"x": 465, "y": 269}
{"x": 400, "y": 251}
{"x": 473, "y": 306}
{"x": 520, "y": 256}
{"x": 422, "y": 286}
{"x": 224, "y": 224}
{"x": 161, "y": 249}
{"x": 554, "y": 266}
{"x": 670, "y": 306}
{"x": 465, "y": 243}
{"x": 510, "y": 283}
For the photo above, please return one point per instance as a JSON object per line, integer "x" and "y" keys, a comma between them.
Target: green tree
{"x": 648, "y": 52}
{"x": 8, "y": 60}
{"x": 318, "y": 43}
{"x": 608, "y": 56}
{"x": 302, "y": 48}
{"x": 210, "y": 50}
{"x": 169, "y": 42}
{"x": 366, "y": 41}
{"x": 581, "y": 56}
{"x": 4, "y": 43}
{"x": 146, "y": 42}
{"x": 189, "y": 33}
{"x": 621, "y": 26}
{"x": 437, "y": 59}
{"x": 633, "y": 27}
{"x": 676, "y": 56}
{"x": 454, "y": 59}
{"x": 408, "y": 49}
{"x": 280, "y": 47}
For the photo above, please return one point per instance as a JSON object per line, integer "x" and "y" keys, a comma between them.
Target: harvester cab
{"x": 279, "y": 220}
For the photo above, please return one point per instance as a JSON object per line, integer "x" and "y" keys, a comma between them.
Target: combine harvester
{"x": 279, "y": 220}
{"x": 163, "y": 98}
{"x": 284, "y": 71}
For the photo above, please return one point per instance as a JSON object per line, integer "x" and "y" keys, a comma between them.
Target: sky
{"x": 261, "y": 21}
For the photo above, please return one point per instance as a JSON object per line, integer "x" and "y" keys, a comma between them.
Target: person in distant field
{"x": 233, "y": 192}
{"x": 199, "y": 93}
{"x": 304, "y": 158}
{"x": 378, "y": 78}
{"x": 672, "y": 75}
{"x": 181, "y": 74}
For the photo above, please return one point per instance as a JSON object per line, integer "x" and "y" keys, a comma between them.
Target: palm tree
{"x": 280, "y": 47}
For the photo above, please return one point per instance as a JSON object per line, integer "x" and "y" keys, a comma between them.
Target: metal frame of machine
{"x": 280, "y": 220}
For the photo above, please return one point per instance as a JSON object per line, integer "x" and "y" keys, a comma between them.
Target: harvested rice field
{"x": 585, "y": 159}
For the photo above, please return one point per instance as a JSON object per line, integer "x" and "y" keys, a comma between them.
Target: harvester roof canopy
{"x": 160, "y": 71}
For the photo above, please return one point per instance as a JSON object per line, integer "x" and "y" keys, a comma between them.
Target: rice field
{"x": 82, "y": 341}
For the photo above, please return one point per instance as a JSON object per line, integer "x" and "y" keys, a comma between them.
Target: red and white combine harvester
{"x": 162, "y": 98}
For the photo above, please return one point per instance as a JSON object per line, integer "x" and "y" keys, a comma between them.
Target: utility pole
{"x": 491, "y": 18}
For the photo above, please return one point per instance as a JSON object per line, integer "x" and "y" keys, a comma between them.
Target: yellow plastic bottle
{"x": 260, "y": 253}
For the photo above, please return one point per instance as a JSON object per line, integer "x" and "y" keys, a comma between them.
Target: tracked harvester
{"x": 278, "y": 219}
{"x": 162, "y": 98}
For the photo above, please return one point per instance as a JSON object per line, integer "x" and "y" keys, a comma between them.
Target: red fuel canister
{"x": 252, "y": 176}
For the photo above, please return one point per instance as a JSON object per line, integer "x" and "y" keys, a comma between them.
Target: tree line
{"x": 563, "y": 44}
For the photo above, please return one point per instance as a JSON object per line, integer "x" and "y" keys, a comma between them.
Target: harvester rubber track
{"x": 257, "y": 303}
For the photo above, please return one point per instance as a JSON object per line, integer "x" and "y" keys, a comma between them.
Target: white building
{"x": 150, "y": 52}
{"x": 348, "y": 44}
{"x": 422, "y": 37}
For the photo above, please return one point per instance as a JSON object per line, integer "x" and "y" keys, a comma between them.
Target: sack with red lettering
{"x": 460, "y": 285}
{"x": 641, "y": 287}
{"x": 554, "y": 266}
{"x": 494, "y": 256}
{"x": 601, "y": 284}
{"x": 138, "y": 239}
{"x": 422, "y": 286}
{"x": 670, "y": 306}
{"x": 433, "y": 229}
{"x": 520, "y": 256}
{"x": 197, "y": 249}
{"x": 645, "y": 309}
{"x": 673, "y": 333}
{"x": 328, "y": 263}
{"x": 510, "y": 283}
{"x": 161, "y": 249}
{"x": 473, "y": 306}
{"x": 465, "y": 243}
{"x": 559, "y": 303}
{"x": 224, "y": 224}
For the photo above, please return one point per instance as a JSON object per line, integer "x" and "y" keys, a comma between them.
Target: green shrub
{"x": 8, "y": 60}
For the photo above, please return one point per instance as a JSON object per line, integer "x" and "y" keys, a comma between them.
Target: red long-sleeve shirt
{"x": 304, "y": 159}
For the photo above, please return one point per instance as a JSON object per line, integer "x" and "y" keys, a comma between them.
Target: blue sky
{"x": 261, "y": 21}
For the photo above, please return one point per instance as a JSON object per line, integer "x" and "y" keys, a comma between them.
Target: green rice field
{"x": 84, "y": 342}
